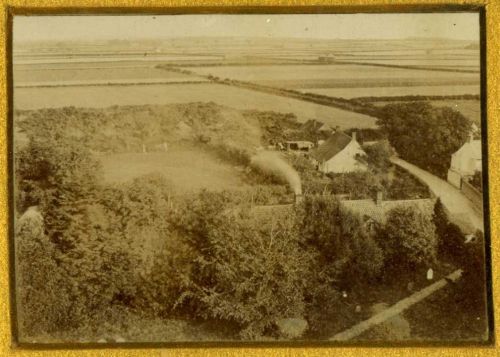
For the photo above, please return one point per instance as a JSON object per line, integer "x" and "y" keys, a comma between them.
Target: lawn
{"x": 238, "y": 98}
{"x": 66, "y": 75}
{"x": 203, "y": 170}
{"x": 335, "y": 75}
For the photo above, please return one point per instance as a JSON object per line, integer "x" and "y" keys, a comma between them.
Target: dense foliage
{"x": 410, "y": 238}
{"x": 43, "y": 299}
{"x": 247, "y": 271}
{"x": 101, "y": 257}
{"x": 425, "y": 135}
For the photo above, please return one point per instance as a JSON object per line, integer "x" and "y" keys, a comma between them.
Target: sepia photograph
{"x": 234, "y": 178}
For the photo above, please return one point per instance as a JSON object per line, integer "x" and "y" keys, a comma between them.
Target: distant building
{"x": 316, "y": 126}
{"x": 465, "y": 162}
{"x": 298, "y": 145}
{"x": 329, "y": 58}
{"x": 339, "y": 154}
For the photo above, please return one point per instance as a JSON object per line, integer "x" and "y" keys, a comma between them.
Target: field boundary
{"x": 102, "y": 83}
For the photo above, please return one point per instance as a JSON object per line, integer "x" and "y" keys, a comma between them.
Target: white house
{"x": 464, "y": 162}
{"x": 339, "y": 154}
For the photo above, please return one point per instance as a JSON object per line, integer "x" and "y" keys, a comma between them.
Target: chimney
{"x": 379, "y": 198}
{"x": 353, "y": 136}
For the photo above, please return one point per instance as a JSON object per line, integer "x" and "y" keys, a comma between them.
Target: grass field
{"x": 326, "y": 76}
{"x": 238, "y": 98}
{"x": 98, "y": 74}
{"x": 349, "y": 93}
{"x": 458, "y": 63}
{"x": 203, "y": 170}
{"x": 37, "y": 59}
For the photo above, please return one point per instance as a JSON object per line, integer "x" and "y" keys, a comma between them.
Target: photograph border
{"x": 7, "y": 199}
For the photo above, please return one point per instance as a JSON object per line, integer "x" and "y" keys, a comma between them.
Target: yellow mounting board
{"x": 162, "y": 6}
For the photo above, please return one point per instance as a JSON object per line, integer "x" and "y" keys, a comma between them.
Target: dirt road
{"x": 460, "y": 208}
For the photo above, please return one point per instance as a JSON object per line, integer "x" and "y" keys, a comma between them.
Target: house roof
{"x": 311, "y": 125}
{"x": 379, "y": 212}
{"x": 325, "y": 127}
{"x": 331, "y": 147}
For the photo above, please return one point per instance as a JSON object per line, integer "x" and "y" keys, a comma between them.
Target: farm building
{"x": 339, "y": 154}
{"x": 464, "y": 162}
{"x": 298, "y": 145}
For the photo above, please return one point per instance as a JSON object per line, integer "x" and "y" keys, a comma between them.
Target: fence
{"x": 473, "y": 194}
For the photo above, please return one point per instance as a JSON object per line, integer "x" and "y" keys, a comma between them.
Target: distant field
{"x": 458, "y": 63}
{"x": 349, "y": 93}
{"x": 238, "y": 98}
{"x": 116, "y": 58}
{"x": 330, "y": 76}
{"x": 125, "y": 74}
{"x": 203, "y": 170}
{"x": 469, "y": 108}
{"x": 85, "y": 65}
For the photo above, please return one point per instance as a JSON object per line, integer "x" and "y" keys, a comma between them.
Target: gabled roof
{"x": 331, "y": 147}
{"x": 325, "y": 127}
{"x": 311, "y": 125}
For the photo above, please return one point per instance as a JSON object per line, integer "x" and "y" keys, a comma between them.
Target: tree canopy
{"x": 425, "y": 135}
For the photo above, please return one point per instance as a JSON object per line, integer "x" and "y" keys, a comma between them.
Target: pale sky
{"x": 462, "y": 26}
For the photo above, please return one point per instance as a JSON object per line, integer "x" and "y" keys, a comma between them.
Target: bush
{"x": 410, "y": 238}
{"x": 245, "y": 271}
{"x": 43, "y": 301}
{"x": 450, "y": 237}
{"x": 343, "y": 243}
{"x": 367, "y": 259}
{"x": 405, "y": 186}
{"x": 378, "y": 156}
{"x": 358, "y": 184}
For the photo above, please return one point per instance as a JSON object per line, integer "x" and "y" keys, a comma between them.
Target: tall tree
{"x": 425, "y": 135}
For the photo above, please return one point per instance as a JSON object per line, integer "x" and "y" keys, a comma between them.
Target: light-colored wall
{"x": 463, "y": 161}
{"x": 345, "y": 161}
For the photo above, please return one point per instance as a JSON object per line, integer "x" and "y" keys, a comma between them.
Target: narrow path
{"x": 396, "y": 309}
{"x": 460, "y": 208}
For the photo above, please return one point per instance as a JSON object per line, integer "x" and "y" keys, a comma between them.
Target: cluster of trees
{"x": 424, "y": 135}
{"x": 103, "y": 252}
{"x": 129, "y": 129}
